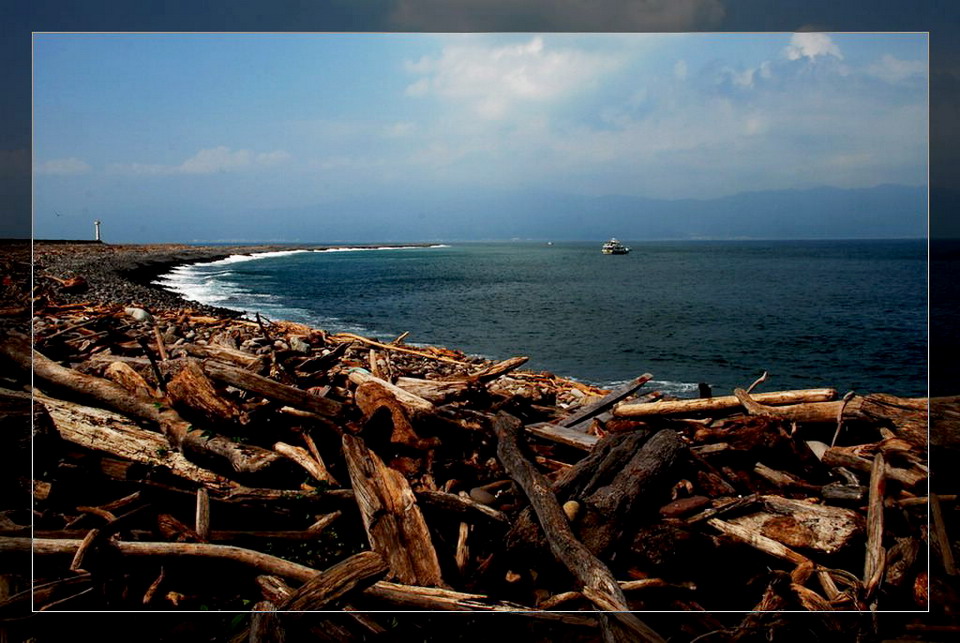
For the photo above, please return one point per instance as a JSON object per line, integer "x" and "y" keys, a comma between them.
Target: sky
{"x": 213, "y": 126}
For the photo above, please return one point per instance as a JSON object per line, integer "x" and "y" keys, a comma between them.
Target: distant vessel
{"x": 614, "y": 247}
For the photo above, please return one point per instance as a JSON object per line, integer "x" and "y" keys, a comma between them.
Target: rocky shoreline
{"x": 125, "y": 273}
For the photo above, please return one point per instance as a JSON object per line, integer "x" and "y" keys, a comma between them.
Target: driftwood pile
{"x": 184, "y": 461}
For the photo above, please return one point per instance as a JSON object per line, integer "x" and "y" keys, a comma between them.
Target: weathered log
{"x": 301, "y": 456}
{"x": 596, "y": 469}
{"x": 179, "y": 433}
{"x": 351, "y": 574}
{"x": 435, "y": 391}
{"x": 725, "y": 403}
{"x": 393, "y": 522}
{"x": 122, "y": 374}
{"x": 459, "y": 505}
{"x": 496, "y": 370}
{"x": 876, "y": 555}
{"x": 644, "y": 475}
{"x": 908, "y": 417}
{"x": 240, "y": 358}
{"x": 117, "y": 435}
{"x": 271, "y": 390}
{"x": 374, "y": 395}
{"x": 755, "y": 539}
{"x": 598, "y": 584}
{"x": 840, "y": 457}
{"x": 939, "y": 529}
{"x": 193, "y": 390}
{"x": 412, "y": 404}
{"x": 803, "y": 525}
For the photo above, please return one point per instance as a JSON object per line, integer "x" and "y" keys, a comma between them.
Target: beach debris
{"x": 340, "y": 472}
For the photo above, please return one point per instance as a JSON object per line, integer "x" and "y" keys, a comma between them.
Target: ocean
{"x": 847, "y": 314}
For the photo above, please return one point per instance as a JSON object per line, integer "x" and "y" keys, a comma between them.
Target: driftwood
{"x": 112, "y": 433}
{"x": 725, "y": 403}
{"x": 596, "y": 469}
{"x": 224, "y": 354}
{"x": 124, "y": 375}
{"x": 179, "y": 432}
{"x": 592, "y": 410}
{"x": 393, "y": 522}
{"x": 313, "y": 465}
{"x": 803, "y": 525}
{"x": 563, "y": 435}
{"x": 192, "y": 390}
{"x": 598, "y": 584}
{"x": 374, "y": 395}
{"x": 876, "y": 555}
{"x": 643, "y": 475}
{"x": 349, "y": 575}
{"x": 908, "y": 417}
{"x": 271, "y": 390}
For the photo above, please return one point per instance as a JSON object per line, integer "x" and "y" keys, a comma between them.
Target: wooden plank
{"x": 592, "y": 410}
{"x": 563, "y": 435}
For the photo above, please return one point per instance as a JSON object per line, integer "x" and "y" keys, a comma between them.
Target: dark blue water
{"x": 846, "y": 314}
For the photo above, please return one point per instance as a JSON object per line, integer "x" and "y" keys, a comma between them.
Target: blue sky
{"x": 205, "y": 125}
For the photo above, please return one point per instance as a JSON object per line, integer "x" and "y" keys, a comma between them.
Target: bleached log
{"x": 724, "y": 403}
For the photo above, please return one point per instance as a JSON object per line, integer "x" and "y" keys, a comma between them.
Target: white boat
{"x": 614, "y": 247}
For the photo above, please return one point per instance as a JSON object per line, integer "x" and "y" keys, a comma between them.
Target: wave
{"x": 368, "y": 248}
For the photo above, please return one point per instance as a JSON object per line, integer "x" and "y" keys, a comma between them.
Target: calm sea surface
{"x": 846, "y": 314}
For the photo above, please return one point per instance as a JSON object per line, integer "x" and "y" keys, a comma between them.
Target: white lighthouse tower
{"x": 96, "y": 226}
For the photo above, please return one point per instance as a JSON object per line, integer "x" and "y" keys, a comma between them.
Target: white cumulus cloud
{"x": 64, "y": 167}
{"x": 496, "y": 78}
{"x": 811, "y": 45}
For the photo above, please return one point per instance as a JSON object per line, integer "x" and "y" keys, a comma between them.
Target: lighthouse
{"x": 96, "y": 226}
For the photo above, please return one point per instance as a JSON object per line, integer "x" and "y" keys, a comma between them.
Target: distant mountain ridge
{"x": 882, "y": 212}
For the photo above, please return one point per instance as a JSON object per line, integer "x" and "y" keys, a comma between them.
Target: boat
{"x": 614, "y": 247}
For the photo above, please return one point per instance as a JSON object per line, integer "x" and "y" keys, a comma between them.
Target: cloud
{"x": 64, "y": 167}
{"x": 811, "y": 45}
{"x": 399, "y": 130}
{"x": 680, "y": 69}
{"x": 496, "y": 78}
{"x": 558, "y": 15}
{"x": 894, "y": 70}
{"x": 747, "y": 77}
{"x": 214, "y": 160}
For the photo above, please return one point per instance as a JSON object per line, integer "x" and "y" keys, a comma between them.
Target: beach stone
{"x": 684, "y": 506}
{"x": 482, "y": 496}
{"x": 298, "y": 344}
